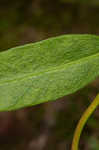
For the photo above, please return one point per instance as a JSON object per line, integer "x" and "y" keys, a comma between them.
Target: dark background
{"x": 49, "y": 126}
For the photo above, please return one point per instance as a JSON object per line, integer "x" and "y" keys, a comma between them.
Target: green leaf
{"x": 47, "y": 70}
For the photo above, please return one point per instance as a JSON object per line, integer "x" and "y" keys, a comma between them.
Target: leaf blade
{"x": 47, "y": 70}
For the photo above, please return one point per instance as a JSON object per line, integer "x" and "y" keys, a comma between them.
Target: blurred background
{"x": 49, "y": 126}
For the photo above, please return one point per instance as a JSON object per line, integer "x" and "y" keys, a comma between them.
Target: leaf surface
{"x": 47, "y": 70}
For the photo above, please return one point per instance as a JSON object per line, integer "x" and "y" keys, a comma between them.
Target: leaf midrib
{"x": 53, "y": 69}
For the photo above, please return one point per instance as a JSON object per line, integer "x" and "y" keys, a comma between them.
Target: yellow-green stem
{"x": 82, "y": 122}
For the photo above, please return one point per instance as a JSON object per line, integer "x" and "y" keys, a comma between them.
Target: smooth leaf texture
{"x": 47, "y": 70}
